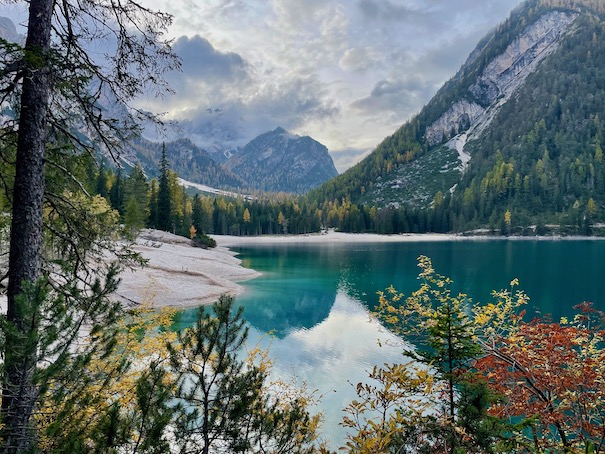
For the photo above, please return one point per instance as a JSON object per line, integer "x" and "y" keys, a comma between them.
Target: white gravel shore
{"x": 329, "y": 237}
{"x": 340, "y": 237}
{"x": 178, "y": 274}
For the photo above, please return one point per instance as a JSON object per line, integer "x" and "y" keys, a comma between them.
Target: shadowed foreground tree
{"x": 228, "y": 403}
{"x": 64, "y": 98}
{"x": 202, "y": 393}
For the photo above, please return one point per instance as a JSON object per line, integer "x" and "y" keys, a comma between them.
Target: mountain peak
{"x": 8, "y": 31}
{"x": 271, "y": 163}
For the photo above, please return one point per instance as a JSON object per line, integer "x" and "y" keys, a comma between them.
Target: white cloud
{"x": 358, "y": 59}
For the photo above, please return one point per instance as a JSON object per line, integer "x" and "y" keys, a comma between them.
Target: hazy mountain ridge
{"x": 8, "y": 31}
{"x": 279, "y": 161}
{"x": 276, "y": 161}
{"x": 504, "y": 81}
{"x": 216, "y": 132}
{"x": 187, "y": 159}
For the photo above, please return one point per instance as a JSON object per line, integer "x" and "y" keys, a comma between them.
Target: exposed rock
{"x": 509, "y": 70}
{"x": 459, "y": 117}
{"x": 279, "y": 161}
{"x": 501, "y": 78}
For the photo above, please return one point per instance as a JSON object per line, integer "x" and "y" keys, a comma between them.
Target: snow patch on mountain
{"x": 457, "y": 143}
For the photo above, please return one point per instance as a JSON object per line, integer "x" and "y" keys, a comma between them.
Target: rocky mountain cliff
{"x": 279, "y": 161}
{"x": 502, "y": 76}
{"x": 509, "y": 132}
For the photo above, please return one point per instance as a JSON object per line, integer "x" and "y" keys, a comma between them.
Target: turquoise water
{"x": 299, "y": 283}
{"x": 311, "y": 306}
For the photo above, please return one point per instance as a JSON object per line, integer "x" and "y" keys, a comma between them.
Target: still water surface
{"x": 315, "y": 299}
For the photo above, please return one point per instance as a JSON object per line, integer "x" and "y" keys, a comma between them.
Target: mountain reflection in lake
{"x": 332, "y": 356}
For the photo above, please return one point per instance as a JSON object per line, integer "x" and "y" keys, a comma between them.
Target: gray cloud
{"x": 358, "y": 59}
{"x": 200, "y": 60}
{"x": 239, "y": 118}
{"x": 385, "y": 10}
{"x": 296, "y": 101}
{"x": 400, "y": 98}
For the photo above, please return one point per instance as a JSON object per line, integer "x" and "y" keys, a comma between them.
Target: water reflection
{"x": 281, "y": 307}
{"x": 315, "y": 298}
{"x": 332, "y": 356}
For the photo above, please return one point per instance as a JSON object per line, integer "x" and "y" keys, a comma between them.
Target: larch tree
{"x": 442, "y": 402}
{"x": 64, "y": 97}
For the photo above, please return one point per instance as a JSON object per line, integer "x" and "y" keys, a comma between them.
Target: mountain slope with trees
{"x": 513, "y": 139}
{"x": 188, "y": 160}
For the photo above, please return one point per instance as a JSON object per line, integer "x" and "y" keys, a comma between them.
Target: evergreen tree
{"x": 116, "y": 193}
{"x": 164, "y": 213}
{"x": 223, "y": 399}
{"x": 153, "y": 205}
{"x": 134, "y": 216}
{"x": 197, "y": 219}
{"x": 50, "y": 83}
{"x": 136, "y": 191}
{"x": 101, "y": 183}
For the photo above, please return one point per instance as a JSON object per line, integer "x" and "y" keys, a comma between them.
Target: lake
{"x": 311, "y": 306}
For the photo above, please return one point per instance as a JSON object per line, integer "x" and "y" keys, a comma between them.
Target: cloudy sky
{"x": 346, "y": 72}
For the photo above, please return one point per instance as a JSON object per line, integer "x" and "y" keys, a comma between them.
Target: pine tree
{"x": 223, "y": 399}
{"x": 164, "y": 212}
{"x": 134, "y": 216}
{"x": 197, "y": 214}
{"x": 153, "y": 205}
{"x": 116, "y": 193}
{"x": 101, "y": 183}
{"x": 136, "y": 191}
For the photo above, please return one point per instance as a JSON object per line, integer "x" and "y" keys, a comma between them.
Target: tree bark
{"x": 19, "y": 394}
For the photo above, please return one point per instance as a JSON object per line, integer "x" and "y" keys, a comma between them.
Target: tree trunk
{"x": 19, "y": 394}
